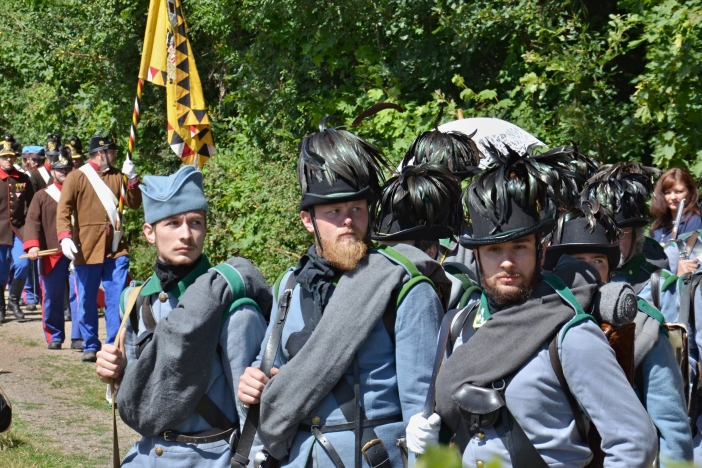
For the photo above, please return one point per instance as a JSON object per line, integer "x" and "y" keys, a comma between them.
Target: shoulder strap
{"x": 690, "y": 244}
{"x": 240, "y": 457}
{"x": 562, "y": 290}
{"x": 53, "y": 192}
{"x": 104, "y": 193}
{"x": 236, "y": 284}
{"x": 656, "y": 288}
{"x": 686, "y": 299}
{"x": 276, "y": 285}
{"x": 574, "y": 407}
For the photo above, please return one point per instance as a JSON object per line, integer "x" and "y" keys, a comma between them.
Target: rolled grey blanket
{"x": 615, "y": 303}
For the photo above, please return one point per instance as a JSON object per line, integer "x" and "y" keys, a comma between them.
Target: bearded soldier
{"x": 90, "y": 233}
{"x": 16, "y": 194}
{"x": 498, "y": 391}
{"x": 40, "y": 234}
{"x": 592, "y": 236}
{"x": 352, "y": 353}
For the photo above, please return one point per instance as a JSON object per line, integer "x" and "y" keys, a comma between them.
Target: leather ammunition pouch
{"x": 621, "y": 340}
{"x": 479, "y": 406}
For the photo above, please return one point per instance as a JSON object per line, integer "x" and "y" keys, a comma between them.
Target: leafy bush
{"x": 618, "y": 78}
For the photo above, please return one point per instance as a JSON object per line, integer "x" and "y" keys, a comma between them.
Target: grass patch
{"x": 18, "y": 449}
{"x": 28, "y": 342}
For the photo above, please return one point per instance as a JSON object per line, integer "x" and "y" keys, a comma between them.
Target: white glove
{"x": 128, "y": 169}
{"x": 69, "y": 248}
{"x": 423, "y": 432}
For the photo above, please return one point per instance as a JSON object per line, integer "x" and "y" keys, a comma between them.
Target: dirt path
{"x": 58, "y": 402}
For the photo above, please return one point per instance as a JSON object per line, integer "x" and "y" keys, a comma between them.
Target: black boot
{"x": 15, "y": 295}
{"x": 2, "y": 306}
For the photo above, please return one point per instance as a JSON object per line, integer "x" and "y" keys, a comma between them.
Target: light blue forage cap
{"x": 177, "y": 193}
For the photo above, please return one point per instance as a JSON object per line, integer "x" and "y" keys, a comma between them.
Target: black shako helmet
{"x": 61, "y": 158}
{"x": 589, "y": 230}
{"x": 76, "y": 147}
{"x": 455, "y": 150}
{"x": 100, "y": 143}
{"x": 518, "y": 195}
{"x": 420, "y": 203}
{"x": 624, "y": 188}
{"x": 51, "y": 147}
{"x": 337, "y": 166}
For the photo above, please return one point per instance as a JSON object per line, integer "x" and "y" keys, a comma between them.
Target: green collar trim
{"x": 483, "y": 313}
{"x": 153, "y": 284}
{"x": 446, "y": 242}
{"x": 630, "y": 270}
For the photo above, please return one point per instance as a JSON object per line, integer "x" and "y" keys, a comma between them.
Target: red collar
{"x": 14, "y": 173}
{"x": 58, "y": 186}
{"x": 94, "y": 166}
{"x": 47, "y": 166}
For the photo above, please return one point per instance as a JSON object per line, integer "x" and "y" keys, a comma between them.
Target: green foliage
{"x": 621, "y": 79}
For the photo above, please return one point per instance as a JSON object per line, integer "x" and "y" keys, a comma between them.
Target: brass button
{"x": 480, "y": 464}
{"x": 316, "y": 420}
{"x": 163, "y": 297}
{"x": 481, "y": 435}
{"x": 159, "y": 451}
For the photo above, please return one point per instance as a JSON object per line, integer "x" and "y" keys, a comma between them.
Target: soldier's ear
{"x": 307, "y": 220}
{"x": 149, "y": 233}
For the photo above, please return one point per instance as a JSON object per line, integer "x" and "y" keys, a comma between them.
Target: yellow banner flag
{"x": 167, "y": 60}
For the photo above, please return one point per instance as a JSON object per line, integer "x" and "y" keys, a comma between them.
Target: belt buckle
{"x": 370, "y": 444}
{"x": 169, "y": 436}
{"x": 313, "y": 427}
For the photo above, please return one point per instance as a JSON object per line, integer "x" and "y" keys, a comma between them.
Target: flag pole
{"x": 132, "y": 138}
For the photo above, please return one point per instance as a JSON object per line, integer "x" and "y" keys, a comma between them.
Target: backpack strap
{"x": 651, "y": 311}
{"x": 562, "y": 290}
{"x": 572, "y": 402}
{"x": 656, "y": 288}
{"x": 240, "y": 457}
{"x": 238, "y": 288}
{"x": 416, "y": 277}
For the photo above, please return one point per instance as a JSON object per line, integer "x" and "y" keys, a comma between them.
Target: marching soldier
{"x": 178, "y": 391}
{"x": 347, "y": 394}
{"x": 40, "y": 234}
{"x": 498, "y": 390}
{"x": 94, "y": 241}
{"x": 418, "y": 207}
{"x": 41, "y": 175}
{"x": 76, "y": 147}
{"x": 592, "y": 236}
{"x": 459, "y": 153}
{"x": 15, "y": 196}
{"x": 27, "y": 162}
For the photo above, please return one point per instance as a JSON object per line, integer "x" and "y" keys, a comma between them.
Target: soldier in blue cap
{"x": 179, "y": 389}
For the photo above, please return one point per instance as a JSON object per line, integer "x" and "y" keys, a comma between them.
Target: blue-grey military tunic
{"x": 240, "y": 338}
{"x": 538, "y": 403}
{"x": 394, "y": 378}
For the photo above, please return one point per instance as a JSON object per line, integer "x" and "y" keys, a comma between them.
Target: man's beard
{"x": 344, "y": 254}
{"x": 514, "y": 295}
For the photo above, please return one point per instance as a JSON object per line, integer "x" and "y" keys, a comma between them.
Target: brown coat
{"x": 40, "y": 226}
{"x": 38, "y": 181}
{"x": 92, "y": 232}
{"x": 15, "y": 196}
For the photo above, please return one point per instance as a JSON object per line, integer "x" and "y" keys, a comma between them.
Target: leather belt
{"x": 204, "y": 437}
{"x": 350, "y": 426}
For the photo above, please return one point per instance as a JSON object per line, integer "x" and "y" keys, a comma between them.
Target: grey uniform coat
{"x": 238, "y": 339}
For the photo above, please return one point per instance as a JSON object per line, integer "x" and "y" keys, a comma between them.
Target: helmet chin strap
{"x": 316, "y": 231}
